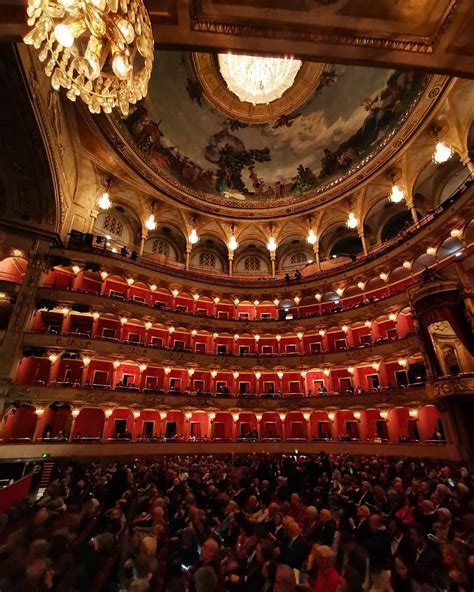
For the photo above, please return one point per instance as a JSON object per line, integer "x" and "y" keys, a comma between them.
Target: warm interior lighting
{"x": 278, "y": 337}
{"x": 300, "y": 335}
{"x": 190, "y": 372}
{"x": 104, "y": 202}
{"x": 153, "y": 287}
{"x": 236, "y": 301}
{"x": 351, "y": 369}
{"x": 402, "y": 362}
{"x": 345, "y": 328}
{"x": 130, "y": 281}
{"x": 257, "y": 338}
{"x": 215, "y": 335}
{"x": 116, "y": 364}
{"x": 65, "y": 310}
{"x": 361, "y": 285}
{"x": 235, "y": 374}
{"x": 175, "y": 293}
{"x": 376, "y": 366}
{"x": 352, "y": 221}
{"x": 167, "y": 370}
{"x": 258, "y": 80}
{"x": 86, "y": 361}
{"x": 431, "y": 251}
{"x": 331, "y": 415}
{"x": 236, "y": 336}
{"x": 368, "y": 324}
{"x": 407, "y": 265}
{"x": 340, "y": 291}
{"x": 171, "y": 329}
{"x": 232, "y": 244}
{"x": 280, "y": 374}
{"x": 76, "y": 269}
{"x": 383, "y": 276}
{"x": 194, "y": 332}
{"x": 193, "y": 237}
{"x": 276, "y": 302}
{"x": 151, "y": 223}
{"x": 39, "y": 411}
{"x": 258, "y": 375}
{"x": 96, "y": 315}
{"x": 318, "y": 296}
{"x": 297, "y": 300}
{"x": 311, "y": 238}
{"x": 256, "y": 302}
{"x": 217, "y": 300}
{"x": 143, "y": 367}
{"x": 53, "y": 358}
{"x": 103, "y": 275}
{"x": 357, "y": 414}
{"x": 123, "y": 320}
{"x": 396, "y": 194}
{"x": 392, "y": 316}
{"x": 303, "y": 373}
{"x": 322, "y": 332}
{"x": 326, "y": 371}
{"x": 148, "y": 325}
{"x": 100, "y": 50}
{"x": 75, "y": 412}
{"x": 196, "y": 296}
{"x": 456, "y": 233}
{"x": 272, "y": 244}
{"x": 136, "y": 414}
{"x": 213, "y": 373}
{"x": 442, "y": 153}
{"x": 384, "y": 414}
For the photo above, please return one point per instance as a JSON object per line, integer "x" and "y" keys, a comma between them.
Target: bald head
{"x": 209, "y": 551}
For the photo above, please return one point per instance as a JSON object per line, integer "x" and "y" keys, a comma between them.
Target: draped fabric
{"x": 444, "y": 306}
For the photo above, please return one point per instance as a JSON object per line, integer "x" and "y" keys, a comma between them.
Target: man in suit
{"x": 327, "y": 527}
{"x": 378, "y": 544}
{"x": 294, "y": 549}
{"x": 426, "y": 560}
{"x": 362, "y": 530}
{"x": 400, "y": 544}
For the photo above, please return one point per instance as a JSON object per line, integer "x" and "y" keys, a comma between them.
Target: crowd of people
{"x": 253, "y": 523}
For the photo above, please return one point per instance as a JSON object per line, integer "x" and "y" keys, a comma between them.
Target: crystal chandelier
{"x": 396, "y": 194}
{"x": 442, "y": 153}
{"x": 311, "y": 238}
{"x": 258, "y": 80}
{"x": 98, "y": 50}
{"x": 352, "y": 221}
{"x": 151, "y": 223}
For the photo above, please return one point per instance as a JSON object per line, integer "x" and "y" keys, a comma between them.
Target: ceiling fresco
{"x": 345, "y": 120}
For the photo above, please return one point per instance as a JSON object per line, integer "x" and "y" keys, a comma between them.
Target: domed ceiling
{"x": 196, "y": 141}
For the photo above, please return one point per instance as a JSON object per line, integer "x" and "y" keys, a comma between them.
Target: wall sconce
{"x": 188, "y": 415}
{"x": 357, "y": 414}
{"x": 331, "y": 415}
{"x": 392, "y": 316}
{"x": 75, "y": 412}
{"x": 103, "y": 275}
{"x": 413, "y": 413}
{"x": 190, "y": 372}
{"x": 340, "y": 291}
{"x": 148, "y": 325}
{"x": 276, "y": 302}
{"x": 306, "y": 415}
{"x": 258, "y": 375}
{"x": 76, "y": 269}
{"x": 95, "y": 315}
{"x": 407, "y": 265}
{"x": 167, "y": 370}
{"x": 86, "y": 361}
{"x": 194, "y": 332}
{"x": 53, "y": 358}
{"x": 235, "y": 416}
{"x": 383, "y": 276}
{"x": 116, "y": 364}
{"x": 143, "y": 367}
{"x": 278, "y": 338}
{"x": 376, "y": 366}
{"x": 213, "y": 373}
{"x": 318, "y": 297}
{"x": 403, "y": 363}
{"x": 171, "y": 329}
{"x": 256, "y": 302}
{"x": 136, "y": 414}
{"x": 217, "y": 300}
{"x": 322, "y": 332}
{"x": 326, "y": 371}
{"x": 123, "y": 320}
{"x": 39, "y": 411}
{"x": 130, "y": 281}
{"x": 236, "y": 336}
{"x": 215, "y": 335}
{"x": 345, "y": 328}
{"x": 297, "y": 300}
{"x": 175, "y": 293}
{"x": 196, "y": 296}
{"x": 456, "y": 233}
{"x": 368, "y": 324}
{"x": 235, "y": 375}
{"x": 153, "y": 287}
{"x": 65, "y": 310}
{"x": 236, "y": 301}
{"x": 257, "y": 338}
{"x": 108, "y": 413}
{"x": 280, "y": 374}
{"x": 361, "y": 285}
{"x": 282, "y": 416}
{"x": 303, "y": 373}
{"x": 212, "y": 416}
{"x": 384, "y": 414}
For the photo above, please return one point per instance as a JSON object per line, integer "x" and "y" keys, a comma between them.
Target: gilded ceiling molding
{"x": 423, "y": 44}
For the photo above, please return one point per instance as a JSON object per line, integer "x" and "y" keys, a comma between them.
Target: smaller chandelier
{"x": 233, "y": 244}
{"x": 193, "y": 237}
{"x": 104, "y": 202}
{"x": 442, "y": 153}
{"x": 311, "y": 238}
{"x": 258, "y": 80}
{"x": 396, "y": 194}
{"x": 352, "y": 221}
{"x": 151, "y": 223}
{"x": 272, "y": 244}
{"x": 98, "y": 50}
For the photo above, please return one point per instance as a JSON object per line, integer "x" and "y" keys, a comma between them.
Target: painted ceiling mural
{"x": 346, "y": 119}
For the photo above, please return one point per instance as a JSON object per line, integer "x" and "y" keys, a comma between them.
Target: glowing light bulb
{"x": 442, "y": 153}
{"x": 64, "y": 35}
{"x": 361, "y": 285}
{"x": 340, "y": 291}
{"x": 233, "y": 244}
{"x": 311, "y": 238}
{"x": 193, "y": 237}
{"x": 278, "y": 337}
{"x": 351, "y": 221}
{"x": 431, "y": 251}
{"x": 276, "y": 302}
{"x": 120, "y": 66}
{"x": 86, "y": 361}
{"x": 236, "y": 374}
{"x": 396, "y": 194}
{"x": 272, "y": 244}
{"x": 213, "y": 373}
{"x": 153, "y": 287}
{"x": 143, "y": 367}
{"x": 151, "y": 223}
{"x": 456, "y": 233}
{"x": 392, "y": 316}
{"x": 76, "y": 269}
{"x": 280, "y": 374}
{"x": 104, "y": 202}
{"x": 318, "y": 297}
{"x": 148, "y": 325}
{"x": 258, "y": 375}
{"x": 175, "y": 293}
{"x": 196, "y": 296}
{"x": 383, "y": 276}
{"x": 326, "y": 371}
{"x": 407, "y": 264}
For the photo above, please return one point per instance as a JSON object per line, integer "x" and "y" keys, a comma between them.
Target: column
{"x": 142, "y": 242}
{"x": 231, "y": 259}
{"x": 411, "y": 207}
{"x": 316, "y": 256}
{"x": 467, "y": 162}
{"x": 10, "y": 350}
{"x": 363, "y": 241}
{"x": 85, "y": 372}
{"x": 273, "y": 261}
{"x": 188, "y": 256}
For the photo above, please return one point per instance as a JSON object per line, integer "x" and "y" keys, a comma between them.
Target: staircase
{"x": 45, "y": 479}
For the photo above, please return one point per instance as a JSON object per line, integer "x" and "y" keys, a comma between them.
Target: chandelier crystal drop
{"x": 98, "y": 50}
{"x": 272, "y": 244}
{"x": 258, "y": 80}
{"x": 396, "y": 194}
{"x": 442, "y": 153}
{"x": 351, "y": 221}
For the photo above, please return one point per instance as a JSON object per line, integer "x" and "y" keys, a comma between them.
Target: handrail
{"x": 209, "y": 276}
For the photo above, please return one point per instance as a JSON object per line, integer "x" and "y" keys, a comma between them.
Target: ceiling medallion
{"x": 256, "y": 90}
{"x": 98, "y": 50}
{"x": 258, "y": 80}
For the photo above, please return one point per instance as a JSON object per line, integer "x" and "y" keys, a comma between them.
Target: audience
{"x": 244, "y": 524}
